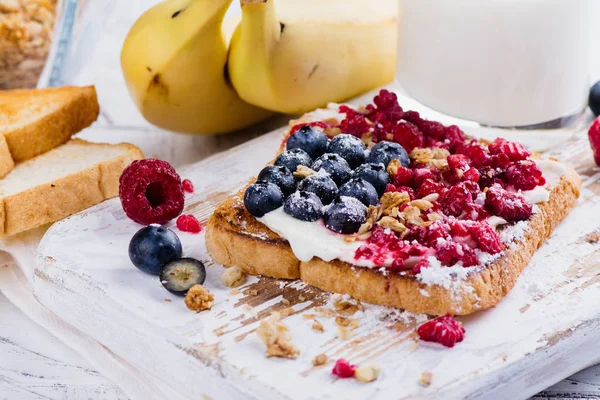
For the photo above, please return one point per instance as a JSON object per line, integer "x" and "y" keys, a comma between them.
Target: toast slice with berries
{"x": 433, "y": 245}
{"x": 61, "y": 182}
{"x": 38, "y": 120}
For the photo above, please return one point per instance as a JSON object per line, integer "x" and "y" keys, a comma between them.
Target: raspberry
{"x": 151, "y": 192}
{"x": 188, "y": 223}
{"x": 474, "y": 212}
{"x": 510, "y": 206}
{"x": 471, "y": 175}
{"x": 524, "y": 175}
{"x": 454, "y": 200}
{"x": 594, "y": 137}
{"x": 498, "y": 161}
{"x": 450, "y": 253}
{"x": 474, "y": 151}
{"x": 433, "y": 129}
{"x": 490, "y": 176}
{"x": 426, "y": 173}
{"x": 514, "y": 151}
{"x": 486, "y": 237}
{"x": 429, "y": 186}
{"x": 387, "y": 102}
{"x": 453, "y": 133}
{"x": 343, "y": 369}
{"x": 355, "y": 125}
{"x": 409, "y": 136}
{"x": 390, "y": 188}
{"x": 419, "y": 266}
{"x": 187, "y": 186}
{"x": 404, "y": 177}
{"x": 444, "y": 330}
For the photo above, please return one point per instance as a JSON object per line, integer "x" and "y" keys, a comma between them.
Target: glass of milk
{"x": 501, "y": 63}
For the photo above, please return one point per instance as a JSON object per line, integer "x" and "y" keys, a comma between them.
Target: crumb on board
{"x": 234, "y": 292}
{"x": 325, "y": 312}
{"x": 233, "y": 277}
{"x": 309, "y": 316}
{"x": 344, "y": 333}
{"x": 276, "y": 336}
{"x": 317, "y": 326}
{"x": 593, "y": 237}
{"x": 167, "y": 300}
{"x": 301, "y": 298}
{"x": 199, "y": 298}
{"x": 426, "y": 378}
{"x": 285, "y": 302}
{"x": 320, "y": 359}
{"x": 219, "y": 332}
{"x": 367, "y": 372}
{"x": 286, "y": 312}
{"x": 347, "y": 306}
{"x": 253, "y": 292}
{"x": 342, "y": 321}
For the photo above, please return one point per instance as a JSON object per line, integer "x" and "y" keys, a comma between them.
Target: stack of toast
{"x": 46, "y": 175}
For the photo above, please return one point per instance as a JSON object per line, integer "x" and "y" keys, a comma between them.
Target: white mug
{"x": 504, "y": 63}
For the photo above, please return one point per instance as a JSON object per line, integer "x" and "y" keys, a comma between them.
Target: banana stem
{"x": 259, "y": 24}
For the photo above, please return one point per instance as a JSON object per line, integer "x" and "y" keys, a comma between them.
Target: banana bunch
{"x": 286, "y": 56}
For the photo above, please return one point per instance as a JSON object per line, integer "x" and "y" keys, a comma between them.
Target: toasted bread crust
{"x": 234, "y": 237}
{"x": 79, "y": 111}
{"x": 66, "y": 196}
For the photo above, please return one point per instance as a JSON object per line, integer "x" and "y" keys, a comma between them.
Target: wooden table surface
{"x": 34, "y": 364}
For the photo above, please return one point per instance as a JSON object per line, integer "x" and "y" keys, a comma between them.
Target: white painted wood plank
{"x": 35, "y": 365}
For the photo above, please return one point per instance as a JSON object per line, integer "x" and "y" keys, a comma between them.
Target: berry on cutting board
{"x": 262, "y": 197}
{"x": 187, "y": 186}
{"x": 151, "y": 192}
{"x": 291, "y": 159}
{"x": 321, "y": 185}
{"x": 180, "y": 275}
{"x": 305, "y": 206}
{"x": 311, "y": 140}
{"x": 189, "y": 223}
{"x": 594, "y": 137}
{"x": 375, "y": 174}
{"x": 350, "y": 148}
{"x": 594, "y": 99}
{"x": 152, "y": 247}
{"x": 281, "y": 176}
{"x": 335, "y": 166}
{"x": 361, "y": 190}
{"x": 384, "y": 152}
{"x": 346, "y": 215}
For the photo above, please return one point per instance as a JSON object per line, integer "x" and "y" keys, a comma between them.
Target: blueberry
{"x": 594, "y": 99}
{"x": 361, "y": 190}
{"x": 321, "y": 185}
{"x": 291, "y": 159}
{"x": 375, "y": 174}
{"x": 384, "y": 152}
{"x": 335, "y": 166}
{"x": 180, "y": 275}
{"x": 305, "y": 206}
{"x": 350, "y": 148}
{"x": 309, "y": 139}
{"x": 281, "y": 176}
{"x": 346, "y": 215}
{"x": 152, "y": 247}
{"x": 262, "y": 197}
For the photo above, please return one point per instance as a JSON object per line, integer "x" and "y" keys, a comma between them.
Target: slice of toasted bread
{"x": 36, "y": 121}
{"x": 61, "y": 182}
{"x": 235, "y": 237}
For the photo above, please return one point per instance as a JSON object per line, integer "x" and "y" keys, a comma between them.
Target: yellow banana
{"x": 293, "y": 56}
{"x": 174, "y": 62}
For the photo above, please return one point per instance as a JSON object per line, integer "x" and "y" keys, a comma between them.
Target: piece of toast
{"x": 61, "y": 182}
{"x": 35, "y": 121}
{"x": 235, "y": 238}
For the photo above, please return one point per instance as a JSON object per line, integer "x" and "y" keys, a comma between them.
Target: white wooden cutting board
{"x": 547, "y": 328}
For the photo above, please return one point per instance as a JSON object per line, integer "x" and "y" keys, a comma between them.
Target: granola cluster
{"x": 25, "y": 36}
{"x": 199, "y": 298}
